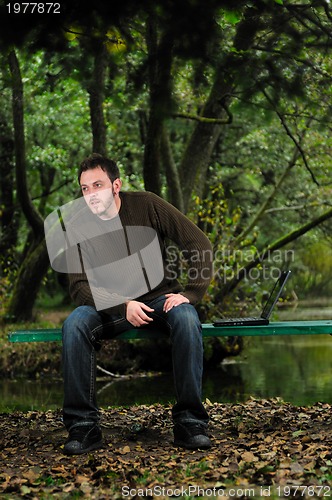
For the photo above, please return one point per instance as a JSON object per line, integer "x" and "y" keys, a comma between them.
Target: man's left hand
{"x": 173, "y": 300}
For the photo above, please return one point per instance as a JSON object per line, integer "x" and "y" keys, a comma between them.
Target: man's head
{"x": 96, "y": 160}
{"x": 100, "y": 185}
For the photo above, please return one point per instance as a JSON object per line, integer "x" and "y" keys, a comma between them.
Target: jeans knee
{"x": 184, "y": 321}
{"x": 185, "y": 314}
{"x": 80, "y": 322}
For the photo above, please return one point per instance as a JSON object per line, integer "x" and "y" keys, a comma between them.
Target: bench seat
{"x": 274, "y": 328}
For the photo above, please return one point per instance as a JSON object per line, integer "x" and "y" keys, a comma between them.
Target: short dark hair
{"x": 97, "y": 160}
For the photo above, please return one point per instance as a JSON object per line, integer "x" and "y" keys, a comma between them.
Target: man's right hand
{"x": 135, "y": 313}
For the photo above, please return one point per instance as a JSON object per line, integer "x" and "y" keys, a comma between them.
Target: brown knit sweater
{"x": 172, "y": 227}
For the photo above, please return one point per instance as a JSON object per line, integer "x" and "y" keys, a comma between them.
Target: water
{"x": 296, "y": 368}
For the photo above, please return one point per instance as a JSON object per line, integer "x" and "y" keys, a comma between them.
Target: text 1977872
{"x": 33, "y": 8}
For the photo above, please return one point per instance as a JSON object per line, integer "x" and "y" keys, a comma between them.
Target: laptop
{"x": 267, "y": 309}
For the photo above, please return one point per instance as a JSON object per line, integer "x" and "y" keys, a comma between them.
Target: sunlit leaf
{"x": 232, "y": 16}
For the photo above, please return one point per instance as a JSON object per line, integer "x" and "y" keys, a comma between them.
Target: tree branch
{"x": 289, "y": 133}
{"x": 171, "y": 171}
{"x": 111, "y": 374}
{"x": 294, "y": 207}
{"x": 266, "y": 252}
{"x": 262, "y": 209}
{"x": 205, "y": 119}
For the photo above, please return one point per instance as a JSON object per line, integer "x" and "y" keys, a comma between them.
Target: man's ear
{"x": 117, "y": 184}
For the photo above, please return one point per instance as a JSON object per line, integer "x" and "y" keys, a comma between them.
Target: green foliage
{"x": 232, "y": 16}
{"x": 269, "y": 170}
{"x": 313, "y": 266}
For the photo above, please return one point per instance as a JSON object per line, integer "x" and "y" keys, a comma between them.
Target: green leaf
{"x": 298, "y": 433}
{"x": 232, "y": 16}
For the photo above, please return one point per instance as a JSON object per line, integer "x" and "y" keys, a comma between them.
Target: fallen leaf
{"x": 248, "y": 456}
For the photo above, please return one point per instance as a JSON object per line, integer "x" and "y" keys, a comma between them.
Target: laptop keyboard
{"x": 244, "y": 319}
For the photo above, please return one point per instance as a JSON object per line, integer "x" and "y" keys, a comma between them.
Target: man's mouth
{"x": 94, "y": 202}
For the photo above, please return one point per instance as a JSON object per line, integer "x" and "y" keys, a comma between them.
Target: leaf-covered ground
{"x": 260, "y": 448}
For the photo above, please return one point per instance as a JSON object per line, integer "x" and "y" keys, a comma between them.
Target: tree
{"x": 48, "y": 162}
{"x": 242, "y": 58}
{"x": 36, "y": 262}
{"x": 8, "y": 216}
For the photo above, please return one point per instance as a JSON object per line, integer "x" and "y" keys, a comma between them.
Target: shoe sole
{"x": 94, "y": 446}
{"x": 182, "y": 444}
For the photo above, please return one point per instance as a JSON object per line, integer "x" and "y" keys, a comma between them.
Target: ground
{"x": 260, "y": 448}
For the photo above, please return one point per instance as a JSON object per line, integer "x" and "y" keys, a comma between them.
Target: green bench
{"x": 274, "y": 328}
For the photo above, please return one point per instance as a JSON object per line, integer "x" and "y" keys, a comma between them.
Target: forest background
{"x": 221, "y": 107}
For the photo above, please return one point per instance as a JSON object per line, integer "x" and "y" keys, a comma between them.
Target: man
{"x": 121, "y": 234}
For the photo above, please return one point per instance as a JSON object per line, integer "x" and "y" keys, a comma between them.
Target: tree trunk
{"x": 8, "y": 220}
{"x": 202, "y": 142}
{"x": 160, "y": 63}
{"x": 198, "y": 153}
{"x": 27, "y": 284}
{"x": 30, "y": 212}
{"x": 96, "y": 92}
{"x": 35, "y": 262}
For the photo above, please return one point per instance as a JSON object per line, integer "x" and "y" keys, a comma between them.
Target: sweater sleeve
{"x": 195, "y": 247}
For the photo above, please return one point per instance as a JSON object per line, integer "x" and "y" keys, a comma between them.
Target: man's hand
{"x": 135, "y": 313}
{"x": 173, "y": 300}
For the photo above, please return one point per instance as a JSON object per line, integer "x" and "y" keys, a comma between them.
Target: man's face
{"x": 98, "y": 193}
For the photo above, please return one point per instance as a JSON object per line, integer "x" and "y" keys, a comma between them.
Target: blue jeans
{"x": 83, "y": 332}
